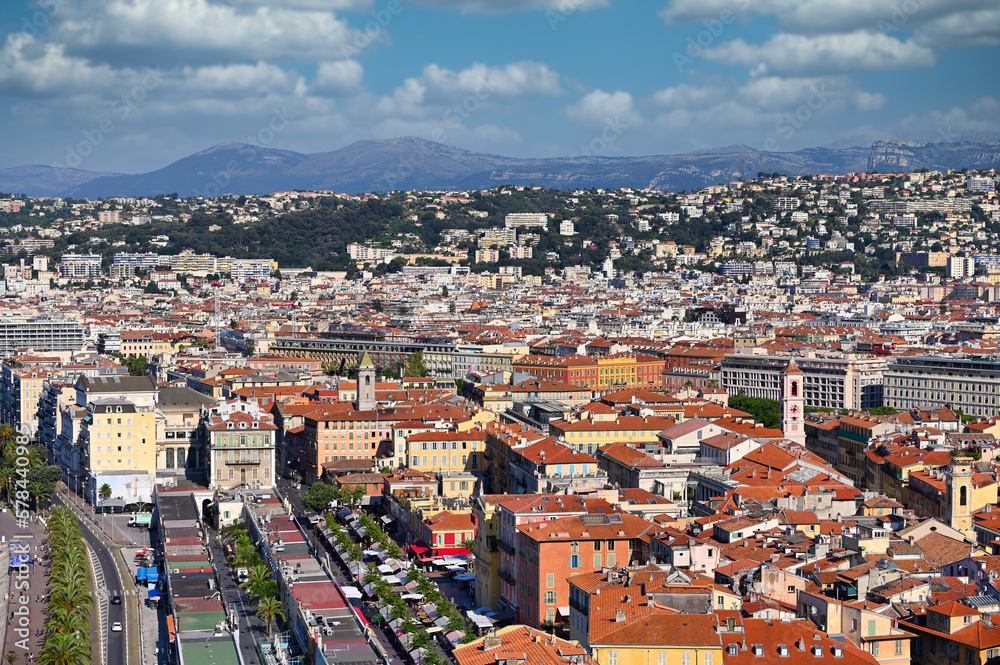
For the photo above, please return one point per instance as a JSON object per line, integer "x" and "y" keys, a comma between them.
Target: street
{"x": 251, "y": 628}
{"x": 447, "y": 585}
{"x": 119, "y": 647}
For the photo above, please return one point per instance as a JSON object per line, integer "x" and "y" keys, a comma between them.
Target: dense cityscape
{"x": 751, "y": 422}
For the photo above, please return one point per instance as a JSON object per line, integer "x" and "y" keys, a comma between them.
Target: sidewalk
{"x": 22, "y": 640}
{"x": 153, "y": 621}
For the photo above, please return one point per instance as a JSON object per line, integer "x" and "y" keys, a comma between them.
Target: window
{"x": 899, "y": 647}
{"x": 709, "y": 656}
{"x": 597, "y": 546}
{"x": 661, "y": 658}
{"x": 550, "y": 581}
{"x": 574, "y": 546}
{"x": 611, "y": 559}
{"x": 875, "y": 648}
{"x": 612, "y": 657}
{"x": 574, "y": 560}
{"x": 685, "y": 658}
{"x": 597, "y": 561}
{"x": 550, "y": 597}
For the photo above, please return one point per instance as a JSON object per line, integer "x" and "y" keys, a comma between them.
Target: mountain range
{"x": 411, "y": 163}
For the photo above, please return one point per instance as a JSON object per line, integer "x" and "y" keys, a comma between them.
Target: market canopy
{"x": 351, "y": 592}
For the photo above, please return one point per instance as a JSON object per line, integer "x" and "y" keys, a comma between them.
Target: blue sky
{"x": 132, "y": 85}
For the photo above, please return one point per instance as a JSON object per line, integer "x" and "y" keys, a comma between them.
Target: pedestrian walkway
{"x": 23, "y": 603}
{"x": 251, "y": 628}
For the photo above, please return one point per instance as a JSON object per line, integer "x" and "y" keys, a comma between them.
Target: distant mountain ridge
{"x": 409, "y": 163}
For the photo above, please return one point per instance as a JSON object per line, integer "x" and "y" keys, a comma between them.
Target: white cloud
{"x": 869, "y": 101}
{"x": 685, "y": 95}
{"x": 564, "y": 7}
{"x": 818, "y": 16}
{"x": 225, "y": 80}
{"x": 473, "y": 88}
{"x": 962, "y": 30}
{"x": 599, "y": 107}
{"x": 30, "y": 68}
{"x": 848, "y": 53}
{"x": 986, "y": 106}
{"x": 338, "y": 77}
{"x": 170, "y": 31}
{"x": 519, "y": 79}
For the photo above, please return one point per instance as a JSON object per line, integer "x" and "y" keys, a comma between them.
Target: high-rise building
{"x": 828, "y": 381}
{"x": 526, "y": 220}
{"x": 80, "y": 266}
{"x": 960, "y": 267}
{"x": 39, "y": 333}
{"x": 931, "y": 382}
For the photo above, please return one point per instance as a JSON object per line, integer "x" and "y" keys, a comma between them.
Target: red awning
{"x": 419, "y": 548}
{"x": 444, "y": 551}
{"x": 171, "y": 631}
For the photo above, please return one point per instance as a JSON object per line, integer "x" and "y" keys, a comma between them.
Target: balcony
{"x": 507, "y": 577}
{"x": 243, "y": 462}
{"x": 509, "y": 549}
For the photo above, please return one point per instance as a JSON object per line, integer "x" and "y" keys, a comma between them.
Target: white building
{"x": 526, "y": 220}
{"x": 833, "y": 381}
{"x": 960, "y": 267}
{"x": 80, "y": 266}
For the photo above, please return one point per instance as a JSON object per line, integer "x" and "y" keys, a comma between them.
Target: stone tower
{"x": 958, "y": 496}
{"x": 792, "y": 404}
{"x": 366, "y": 383}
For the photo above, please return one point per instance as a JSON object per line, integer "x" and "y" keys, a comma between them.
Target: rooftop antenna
{"x": 218, "y": 331}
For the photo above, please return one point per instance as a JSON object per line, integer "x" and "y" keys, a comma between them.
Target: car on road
{"x": 116, "y": 627}
{"x": 116, "y": 599}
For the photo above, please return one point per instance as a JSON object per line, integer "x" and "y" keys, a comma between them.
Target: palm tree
{"x": 105, "y": 492}
{"x": 11, "y": 656}
{"x": 245, "y": 554}
{"x": 64, "y": 649}
{"x": 258, "y": 576}
{"x": 67, "y": 620}
{"x": 41, "y": 492}
{"x": 6, "y": 480}
{"x": 469, "y": 544}
{"x": 268, "y": 610}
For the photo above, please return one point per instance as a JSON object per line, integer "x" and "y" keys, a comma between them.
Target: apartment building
{"x": 339, "y": 432}
{"x": 555, "y": 550}
{"x": 843, "y": 381}
{"x": 179, "y": 442}
{"x": 118, "y": 448}
{"x": 39, "y": 333}
{"x": 80, "y": 266}
{"x": 931, "y": 382}
{"x": 588, "y": 434}
{"x": 20, "y": 391}
{"x": 437, "y": 452}
{"x": 241, "y": 448}
{"x": 853, "y": 437}
{"x": 601, "y": 372}
{"x": 526, "y": 220}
